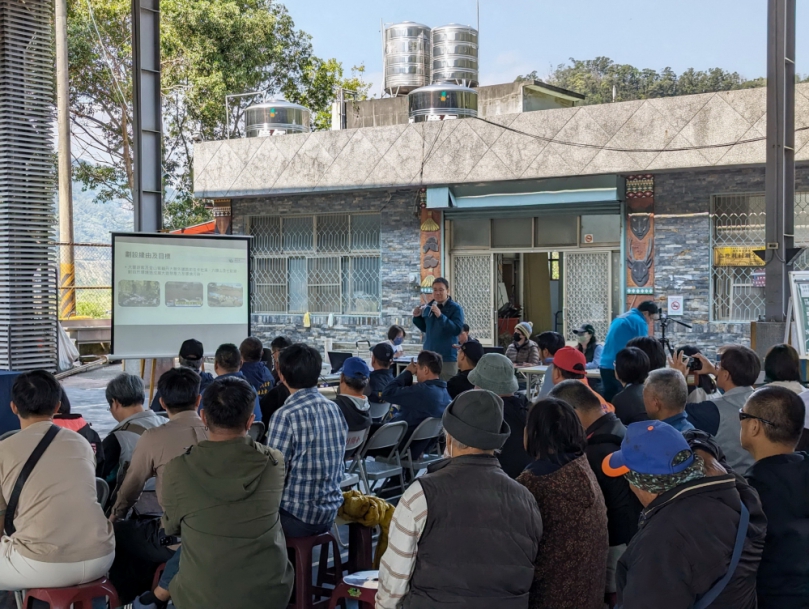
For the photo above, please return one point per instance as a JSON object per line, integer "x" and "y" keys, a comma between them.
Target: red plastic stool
{"x": 157, "y": 575}
{"x": 305, "y": 591}
{"x": 364, "y": 596}
{"x": 80, "y": 597}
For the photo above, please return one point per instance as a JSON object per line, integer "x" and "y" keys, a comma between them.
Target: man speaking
{"x": 441, "y": 321}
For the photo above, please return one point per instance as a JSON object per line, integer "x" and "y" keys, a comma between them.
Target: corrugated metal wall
{"x": 28, "y": 306}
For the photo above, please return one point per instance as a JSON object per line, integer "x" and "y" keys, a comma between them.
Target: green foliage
{"x": 209, "y": 49}
{"x": 595, "y": 79}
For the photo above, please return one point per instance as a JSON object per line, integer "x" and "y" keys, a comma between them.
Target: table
{"x": 402, "y": 362}
{"x": 534, "y": 374}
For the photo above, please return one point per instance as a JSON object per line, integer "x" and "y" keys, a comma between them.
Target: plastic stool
{"x": 80, "y": 597}
{"x": 364, "y": 596}
{"x": 305, "y": 591}
{"x": 157, "y": 575}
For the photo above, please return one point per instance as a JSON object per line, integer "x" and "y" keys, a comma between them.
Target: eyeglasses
{"x": 743, "y": 415}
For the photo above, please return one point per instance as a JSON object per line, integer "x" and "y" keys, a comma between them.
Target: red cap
{"x": 570, "y": 360}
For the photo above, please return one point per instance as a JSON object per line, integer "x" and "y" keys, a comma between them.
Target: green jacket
{"x": 223, "y": 498}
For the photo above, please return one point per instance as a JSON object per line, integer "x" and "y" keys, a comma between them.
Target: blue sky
{"x": 518, "y": 36}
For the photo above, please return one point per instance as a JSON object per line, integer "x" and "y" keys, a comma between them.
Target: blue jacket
{"x": 441, "y": 333}
{"x": 377, "y": 383}
{"x": 256, "y": 408}
{"x": 624, "y": 328}
{"x": 259, "y": 376}
{"x": 679, "y": 422}
{"x": 416, "y": 402}
{"x": 206, "y": 378}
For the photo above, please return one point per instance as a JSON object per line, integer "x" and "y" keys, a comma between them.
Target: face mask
{"x": 398, "y": 341}
{"x": 517, "y": 337}
{"x": 583, "y": 338}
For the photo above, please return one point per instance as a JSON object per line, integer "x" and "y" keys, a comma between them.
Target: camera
{"x": 694, "y": 365}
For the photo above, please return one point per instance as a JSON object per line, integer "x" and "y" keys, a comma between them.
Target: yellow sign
{"x": 736, "y": 256}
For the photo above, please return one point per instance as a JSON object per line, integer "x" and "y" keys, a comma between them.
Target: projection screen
{"x": 168, "y": 288}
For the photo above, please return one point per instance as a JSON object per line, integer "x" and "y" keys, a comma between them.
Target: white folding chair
{"x": 379, "y": 410}
{"x": 428, "y": 429}
{"x": 256, "y": 431}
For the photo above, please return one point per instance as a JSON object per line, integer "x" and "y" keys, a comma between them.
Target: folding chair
{"x": 354, "y": 442}
{"x": 387, "y": 436}
{"x": 428, "y": 429}
{"x": 357, "y": 344}
{"x": 8, "y": 434}
{"x": 102, "y": 492}
{"x": 379, "y": 410}
{"x": 256, "y": 431}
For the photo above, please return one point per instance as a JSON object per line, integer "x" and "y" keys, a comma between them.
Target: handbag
{"x": 11, "y": 509}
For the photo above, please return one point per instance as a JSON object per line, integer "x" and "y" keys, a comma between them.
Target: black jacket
{"x": 377, "y": 382}
{"x": 459, "y": 383}
{"x": 513, "y": 457}
{"x": 629, "y": 405}
{"x": 604, "y": 437}
{"x": 782, "y": 482}
{"x": 271, "y": 402}
{"x": 357, "y": 419}
{"x": 684, "y": 543}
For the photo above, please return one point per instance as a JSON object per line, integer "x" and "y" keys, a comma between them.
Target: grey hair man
{"x": 125, "y": 398}
{"x": 665, "y": 393}
{"x": 465, "y": 532}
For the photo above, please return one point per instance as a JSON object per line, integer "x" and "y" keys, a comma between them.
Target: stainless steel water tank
{"x": 445, "y": 101}
{"x": 407, "y": 57}
{"x": 276, "y": 118}
{"x": 455, "y": 55}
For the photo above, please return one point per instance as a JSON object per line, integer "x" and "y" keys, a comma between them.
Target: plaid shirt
{"x": 310, "y": 431}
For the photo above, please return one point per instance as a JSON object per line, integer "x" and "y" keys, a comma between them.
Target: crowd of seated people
{"x": 534, "y": 506}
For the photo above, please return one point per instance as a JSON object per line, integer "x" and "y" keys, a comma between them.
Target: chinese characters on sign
{"x": 736, "y": 256}
{"x": 148, "y": 255}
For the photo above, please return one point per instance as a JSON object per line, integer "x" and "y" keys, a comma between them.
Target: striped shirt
{"x": 399, "y": 559}
{"x": 310, "y": 431}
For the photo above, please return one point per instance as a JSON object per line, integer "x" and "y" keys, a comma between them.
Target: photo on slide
{"x": 138, "y": 293}
{"x": 183, "y": 294}
{"x": 225, "y": 295}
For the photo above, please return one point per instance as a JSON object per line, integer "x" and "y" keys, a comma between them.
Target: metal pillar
{"x": 147, "y": 116}
{"x": 67, "y": 276}
{"x": 780, "y": 171}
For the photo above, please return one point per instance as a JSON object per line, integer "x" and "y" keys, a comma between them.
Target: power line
{"x": 551, "y": 140}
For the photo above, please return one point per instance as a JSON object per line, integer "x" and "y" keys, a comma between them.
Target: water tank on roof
{"x": 406, "y": 57}
{"x": 277, "y": 118}
{"x": 442, "y": 102}
{"x": 455, "y": 55}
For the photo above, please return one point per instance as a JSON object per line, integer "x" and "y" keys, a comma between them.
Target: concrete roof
{"x": 471, "y": 150}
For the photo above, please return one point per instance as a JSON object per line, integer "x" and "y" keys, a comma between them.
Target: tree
{"x": 597, "y": 78}
{"x": 210, "y": 48}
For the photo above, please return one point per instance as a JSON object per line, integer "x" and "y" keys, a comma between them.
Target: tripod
{"x": 664, "y": 324}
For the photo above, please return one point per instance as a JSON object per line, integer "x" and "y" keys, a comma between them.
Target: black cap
{"x": 585, "y": 328}
{"x": 192, "y": 350}
{"x": 383, "y": 352}
{"x": 473, "y": 350}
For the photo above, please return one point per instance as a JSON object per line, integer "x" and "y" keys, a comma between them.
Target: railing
{"x": 92, "y": 272}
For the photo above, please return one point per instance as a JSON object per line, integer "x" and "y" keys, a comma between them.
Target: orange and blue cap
{"x": 649, "y": 448}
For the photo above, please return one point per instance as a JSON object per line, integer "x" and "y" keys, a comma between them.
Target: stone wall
{"x": 683, "y": 248}
{"x": 399, "y": 264}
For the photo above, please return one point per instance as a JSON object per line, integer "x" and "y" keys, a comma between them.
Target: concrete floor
{"x": 86, "y": 394}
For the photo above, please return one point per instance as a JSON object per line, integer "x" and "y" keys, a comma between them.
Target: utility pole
{"x": 780, "y": 170}
{"x": 67, "y": 277}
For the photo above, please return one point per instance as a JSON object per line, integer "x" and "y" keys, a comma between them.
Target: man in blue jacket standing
{"x": 624, "y": 328}
{"x": 441, "y": 320}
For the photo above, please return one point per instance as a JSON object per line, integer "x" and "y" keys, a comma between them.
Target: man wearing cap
{"x": 381, "y": 373}
{"x": 587, "y": 344}
{"x": 569, "y": 365}
{"x": 495, "y": 373}
{"x": 191, "y": 356}
{"x": 464, "y": 534}
{"x": 523, "y": 351}
{"x": 352, "y": 401}
{"x": 689, "y": 527}
{"x": 469, "y": 353}
{"x": 624, "y": 328}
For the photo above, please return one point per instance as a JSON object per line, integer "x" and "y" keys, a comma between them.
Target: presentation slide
{"x": 168, "y": 288}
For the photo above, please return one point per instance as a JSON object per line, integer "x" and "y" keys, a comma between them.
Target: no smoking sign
{"x": 675, "y": 305}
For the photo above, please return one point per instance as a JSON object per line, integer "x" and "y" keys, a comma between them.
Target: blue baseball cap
{"x": 649, "y": 447}
{"x": 356, "y": 368}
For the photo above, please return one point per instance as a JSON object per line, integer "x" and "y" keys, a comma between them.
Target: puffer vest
{"x": 480, "y": 540}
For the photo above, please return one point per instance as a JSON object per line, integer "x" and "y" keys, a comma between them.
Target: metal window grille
{"x": 739, "y": 221}
{"x": 587, "y": 290}
{"x": 472, "y": 281}
{"x": 321, "y": 264}
{"x": 92, "y": 278}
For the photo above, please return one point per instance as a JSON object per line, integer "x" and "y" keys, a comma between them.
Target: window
{"x": 553, "y": 265}
{"x": 321, "y": 264}
{"x": 737, "y": 228}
